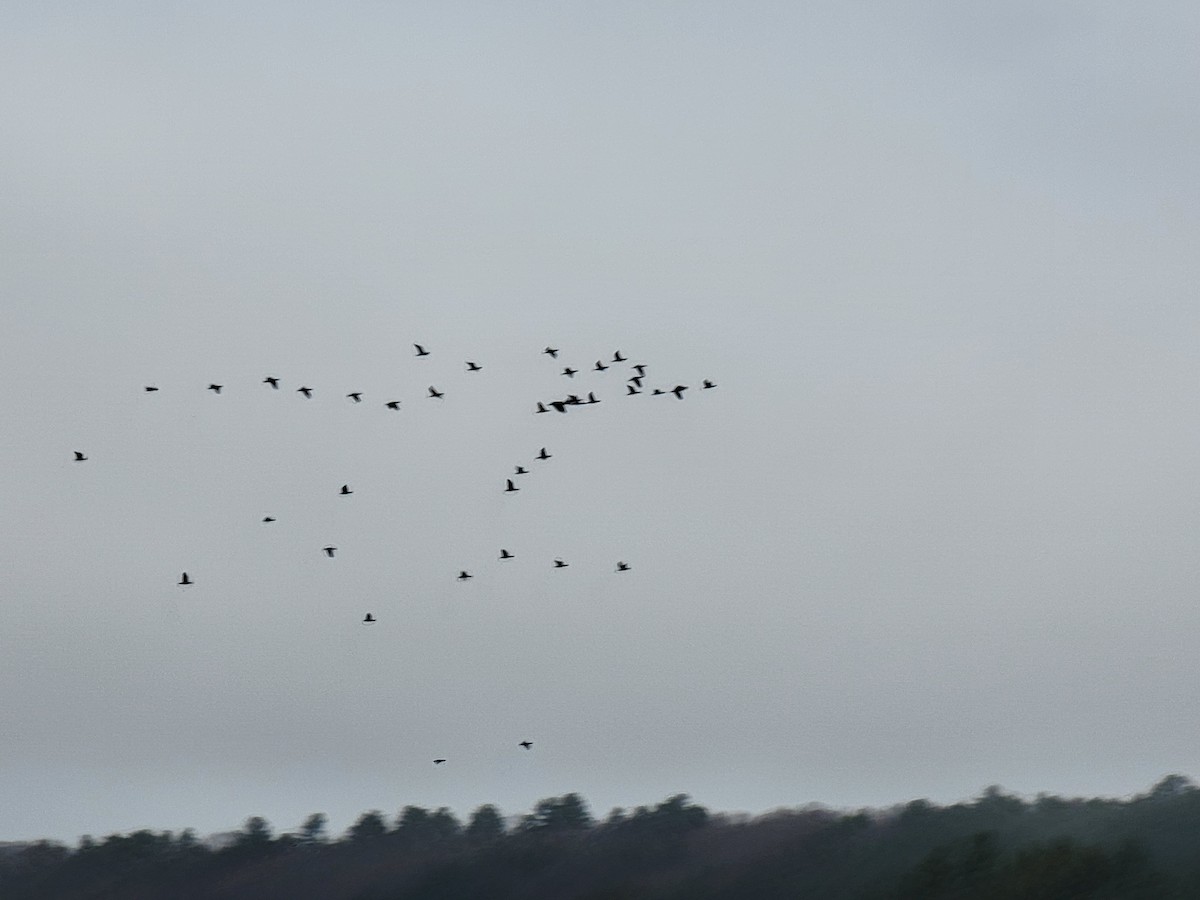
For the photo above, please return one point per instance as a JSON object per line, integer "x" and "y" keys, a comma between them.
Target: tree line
{"x": 996, "y": 846}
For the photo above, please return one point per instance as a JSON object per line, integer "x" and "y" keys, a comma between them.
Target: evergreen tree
{"x": 485, "y": 825}
{"x": 370, "y": 825}
{"x": 313, "y": 829}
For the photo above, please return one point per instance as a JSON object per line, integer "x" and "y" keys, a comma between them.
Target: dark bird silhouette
{"x": 471, "y": 367}
{"x": 148, "y": 388}
{"x": 542, "y": 454}
{"x": 552, "y": 352}
{"x": 559, "y": 405}
{"x": 510, "y": 486}
{"x": 709, "y": 384}
{"x": 79, "y": 457}
{"x": 306, "y": 391}
{"x": 185, "y": 579}
{"x": 273, "y": 382}
{"x": 464, "y": 575}
{"x": 559, "y": 564}
{"x": 617, "y": 357}
{"x": 678, "y": 391}
{"x": 592, "y": 397}
{"x": 525, "y": 744}
{"x": 637, "y": 379}
{"x": 329, "y": 551}
{"x": 640, "y": 367}
{"x": 216, "y": 388}
{"x": 268, "y": 518}
{"x": 622, "y": 567}
{"x": 435, "y": 393}
{"x": 656, "y": 392}
{"x": 392, "y": 404}
{"x": 438, "y": 762}
{"x": 631, "y": 390}
{"x": 569, "y": 372}
{"x": 572, "y": 400}
{"x": 421, "y": 351}
{"x": 600, "y": 367}
{"x": 368, "y": 619}
{"x": 356, "y": 396}
{"x": 541, "y": 408}
{"x": 346, "y": 492}
{"x": 521, "y": 470}
{"x": 504, "y": 554}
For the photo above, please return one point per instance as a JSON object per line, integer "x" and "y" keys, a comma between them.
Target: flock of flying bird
{"x": 633, "y": 387}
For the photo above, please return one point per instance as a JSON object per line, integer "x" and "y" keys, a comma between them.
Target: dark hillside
{"x": 995, "y": 847}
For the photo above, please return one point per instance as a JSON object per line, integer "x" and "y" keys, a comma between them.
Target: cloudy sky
{"x": 934, "y": 529}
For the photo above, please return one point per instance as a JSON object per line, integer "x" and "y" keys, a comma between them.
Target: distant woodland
{"x": 995, "y": 847}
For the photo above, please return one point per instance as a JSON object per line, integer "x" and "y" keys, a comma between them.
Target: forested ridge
{"x": 994, "y": 847}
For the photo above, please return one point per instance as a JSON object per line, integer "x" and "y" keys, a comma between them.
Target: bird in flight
{"x": 464, "y": 575}
{"x": 541, "y": 408}
{"x": 525, "y": 744}
{"x": 542, "y": 454}
{"x": 504, "y": 554}
{"x": 656, "y": 392}
{"x": 709, "y": 384}
{"x": 678, "y": 391}
{"x": 509, "y": 486}
{"x": 421, "y": 351}
{"x": 79, "y": 457}
{"x": 149, "y": 388}
{"x": 521, "y": 470}
{"x": 306, "y": 391}
{"x": 368, "y": 619}
{"x": 185, "y": 579}
{"x": 552, "y": 352}
{"x": 622, "y": 567}
{"x": 268, "y": 518}
{"x": 345, "y": 491}
{"x": 435, "y": 393}
{"x": 356, "y": 396}
{"x": 560, "y": 405}
{"x": 438, "y": 762}
{"x": 392, "y": 404}
{"x": 559, "y": 564}
{"x": 641, "y": 368}
{"x": 600, "y": 367}
{"x": 637, "y": 380}
{"x": 272, "y": 381}
{"x": 591, "y": 398}
{"x": 631, "y": 390}
{"x": 216, "y": 388}
{"x": 329, "y": 551}
{"x": 572, "y": 400}
{"x": 569, "y": 372}
{"x": 472, "y": 367}
{"x": 617, "y": 357}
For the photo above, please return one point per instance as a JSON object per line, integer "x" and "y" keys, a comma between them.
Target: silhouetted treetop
{"x": 313, "y": 829}
{"x": 369, "y": 825}
{"x": 256, "y": 832}
{"x": 485, "y": 825}
{"x": 565, "y": 813}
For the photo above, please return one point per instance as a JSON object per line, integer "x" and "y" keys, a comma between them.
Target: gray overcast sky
{"x": 935, "y": 529}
